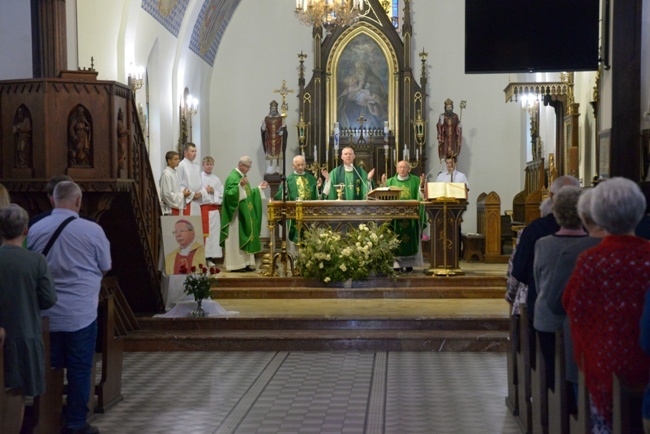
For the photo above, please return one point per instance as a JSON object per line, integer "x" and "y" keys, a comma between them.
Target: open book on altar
{"x": 455, "y": 190}
{"x": 385, "y": 193}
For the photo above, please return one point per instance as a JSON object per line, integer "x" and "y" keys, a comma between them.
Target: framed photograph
{"x": 602, "y": 152}
{"x": 182, "y": 243}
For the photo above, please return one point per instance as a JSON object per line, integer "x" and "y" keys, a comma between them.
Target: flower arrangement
{"x": 334, "y": 257}
{"x": 199, "y": 280}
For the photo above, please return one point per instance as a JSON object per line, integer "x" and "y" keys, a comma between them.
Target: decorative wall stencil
{"x": 210, "y": 26}
{"x": 169, "y": 13}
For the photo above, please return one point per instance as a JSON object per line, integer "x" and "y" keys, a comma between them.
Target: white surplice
{"x": 189, "y": 175}
{"x": 212, "y": 247}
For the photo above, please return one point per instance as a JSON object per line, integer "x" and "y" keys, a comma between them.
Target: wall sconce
{"x": 189, "y": 107}
{"x": 136, "y": 77}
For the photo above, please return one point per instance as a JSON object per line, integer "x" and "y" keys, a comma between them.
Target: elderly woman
{"x": 604, "y": 298}
{"x": 565, "y": 210}
{"x": 566, "y": 261}
{"x": 26, "y": 288}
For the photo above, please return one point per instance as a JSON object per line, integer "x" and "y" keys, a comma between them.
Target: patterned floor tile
{"x": 311, "y": 392}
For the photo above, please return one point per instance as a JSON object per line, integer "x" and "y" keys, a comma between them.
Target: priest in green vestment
{"x": 409, "y": 232}
{"x": 355, "y": 181}
{"x": 301, "y": 185}
{"x": 241, "y": 219}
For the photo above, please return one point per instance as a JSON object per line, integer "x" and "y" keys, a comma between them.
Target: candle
{"x": 417, "y": 153}
{"x": 327, "y": 155}
{"x": 394, "y": 154}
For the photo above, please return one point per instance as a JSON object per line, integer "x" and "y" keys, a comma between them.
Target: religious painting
{"x": 182, "y": 243}
{"x": 603, "y": 153}
{"x": 362, "y": 84}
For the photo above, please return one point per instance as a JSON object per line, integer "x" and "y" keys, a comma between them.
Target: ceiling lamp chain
{"x": 329, "y": 14}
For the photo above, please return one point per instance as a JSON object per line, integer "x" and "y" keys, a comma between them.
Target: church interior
{"x": 432, "y": 350}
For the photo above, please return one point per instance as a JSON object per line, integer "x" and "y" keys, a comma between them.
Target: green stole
{"x": 355, "y": 183}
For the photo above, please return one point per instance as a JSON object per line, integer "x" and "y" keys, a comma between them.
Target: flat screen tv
{"x": 504, "y": 36}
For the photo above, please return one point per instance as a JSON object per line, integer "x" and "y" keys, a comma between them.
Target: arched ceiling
{"x": 208, "y": 28}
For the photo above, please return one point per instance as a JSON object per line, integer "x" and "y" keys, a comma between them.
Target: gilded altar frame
{"x": 405, "y": 96}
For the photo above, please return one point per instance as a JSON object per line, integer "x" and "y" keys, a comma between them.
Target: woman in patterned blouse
{"x": 605, "y": 295}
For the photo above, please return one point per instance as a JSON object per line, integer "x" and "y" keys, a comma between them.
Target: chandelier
{"x": 329, "y": 14}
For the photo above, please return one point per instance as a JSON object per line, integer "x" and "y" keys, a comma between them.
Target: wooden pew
{"x": 539, "y": 391}
{"x": 44, "y": 415}
{"x": 525, "y": 418}
{"x": 579, "y": 423}
{"x": 512, "y": 400}
{"x": 488, "y": 210}
{"x": 111, "y": 353}
{"x": 627, "y": 405}
{"x": 558, "y": 399}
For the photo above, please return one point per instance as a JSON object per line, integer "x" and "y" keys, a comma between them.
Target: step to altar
{"x": 318, "y": 340}
{"x": 412, "y": 286}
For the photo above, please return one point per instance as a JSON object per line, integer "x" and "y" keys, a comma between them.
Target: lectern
{"x": 446, "y": 202}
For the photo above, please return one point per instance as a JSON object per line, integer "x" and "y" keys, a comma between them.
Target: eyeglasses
{"x": 180, "y": 231}
{"x": 247, "y": 165}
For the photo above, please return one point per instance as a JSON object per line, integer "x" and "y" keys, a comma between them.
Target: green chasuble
{"x": 408, "y": 231}
{"x": 356, "y": 183}
{"x": 249, "y": 211}
{"x": 299, "y": 186}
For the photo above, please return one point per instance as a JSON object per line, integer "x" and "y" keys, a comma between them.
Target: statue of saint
{"x": 450, "y": 132}
{"x": 23, "y": 138}
{"x": 274, "y": 138}
{"x": 122, "y": 140}
{"x": 79, "y": 139}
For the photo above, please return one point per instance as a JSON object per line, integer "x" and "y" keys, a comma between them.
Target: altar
{"x": 444, "y": 217}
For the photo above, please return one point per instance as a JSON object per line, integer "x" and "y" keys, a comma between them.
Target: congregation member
{"x": 546, "y": 322}
{"x": 409, "y": 252}
{"x": 355, "y": 181}
{"x": 241, "y": 218}
{"x": 645, "y": 344}
{"x": 78, "y": 254}
{"x": 515, "y": 290}
{"x": 301, "y": 185}
{"x": 523, "y": 261}
{"x": 26, "y": 288}
{"x": 604, "y": 298}
{"x": 172, "y": 196}
{"x": 190, "y": 251}
{"x": 49, "y": 189}
{"x": 189, "y": 175}
{"x": 210, "y": 211}
{"x": 564, "y": 266}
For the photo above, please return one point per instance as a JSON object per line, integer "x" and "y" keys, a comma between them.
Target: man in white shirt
{"x": 210, "y": 211}
{"x": 172, "y": 196}
{"x": 189, "y": 175}
{"x": 452, "y": 175}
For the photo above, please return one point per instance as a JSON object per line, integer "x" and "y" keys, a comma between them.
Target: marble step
{"x": 317, "y": 340}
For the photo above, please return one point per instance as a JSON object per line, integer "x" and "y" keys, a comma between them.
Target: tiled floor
{"x": 311, "y": 392}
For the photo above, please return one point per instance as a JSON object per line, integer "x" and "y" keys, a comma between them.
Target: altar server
{"x": 189, "y": 175}
{"x": 210, "y": 211}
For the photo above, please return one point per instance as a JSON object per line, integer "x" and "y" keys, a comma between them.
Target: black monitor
{"x": 504, "y": 36}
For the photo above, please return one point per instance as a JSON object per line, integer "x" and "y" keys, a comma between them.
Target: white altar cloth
{"x": 183, "y": 308}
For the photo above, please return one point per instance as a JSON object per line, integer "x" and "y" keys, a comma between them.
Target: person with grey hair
{"x": 26, "y": 288}
{"x": 523, "y": 261}
{"x": 565, "y": 210}
{"x": 564, "y": 266}
{"x": 241, "y": 217}
{"x": 605, "y": 295}
{"x": 78, "y": 254}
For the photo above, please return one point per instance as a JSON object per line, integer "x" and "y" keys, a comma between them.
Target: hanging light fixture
{"x": 329, "y": 14}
